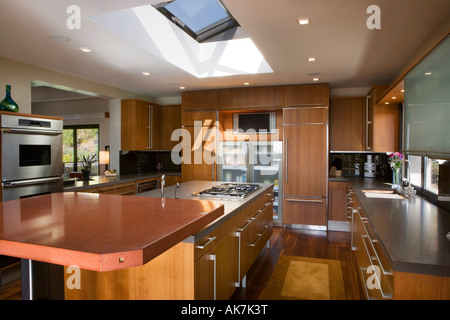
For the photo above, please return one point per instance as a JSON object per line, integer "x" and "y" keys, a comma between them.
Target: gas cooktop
{"x": 228, "y": 191}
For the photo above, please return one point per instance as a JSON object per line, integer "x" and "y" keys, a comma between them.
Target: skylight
{"x": 147, "y": 28}
{"x": 201, "y": 19}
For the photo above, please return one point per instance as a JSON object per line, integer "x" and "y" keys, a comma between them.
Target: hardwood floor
{"x": 316, "y": 244}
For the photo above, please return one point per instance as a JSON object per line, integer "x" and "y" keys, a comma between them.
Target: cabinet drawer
{"x": 121, "y": 189}
{"x": 378, "y": 278}
{"x": 306, "y": 211}
{"x": 204, "y": 244}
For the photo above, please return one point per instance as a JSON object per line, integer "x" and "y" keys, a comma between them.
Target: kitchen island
{"x": 99, "y": 232}
{"x": 130, "y": 247}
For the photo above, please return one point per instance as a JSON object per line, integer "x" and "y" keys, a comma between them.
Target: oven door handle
{"x": 31, "y": 131}
{"x": 20, "y": 183}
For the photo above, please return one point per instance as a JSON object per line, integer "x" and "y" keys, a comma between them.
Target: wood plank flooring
{"x": 307, "y": 243}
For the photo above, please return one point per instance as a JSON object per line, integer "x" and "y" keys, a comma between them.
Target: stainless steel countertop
{"x": 412, "y": 231}
{"x": 231, "y": 207}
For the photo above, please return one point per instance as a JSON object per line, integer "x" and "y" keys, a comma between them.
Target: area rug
{"x": 302, "y": 278}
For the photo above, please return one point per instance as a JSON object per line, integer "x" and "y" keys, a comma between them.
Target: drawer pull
{"x": 259, "y": 236}
{"x": 246, "y": 225}
{"x": 211, "y": 239}
{"x": 304, "y": 200}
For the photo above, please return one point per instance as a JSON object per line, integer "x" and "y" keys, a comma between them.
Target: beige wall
{"x": 20, "y": 75}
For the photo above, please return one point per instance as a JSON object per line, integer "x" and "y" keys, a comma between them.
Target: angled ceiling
{"x": 348, "y": 54}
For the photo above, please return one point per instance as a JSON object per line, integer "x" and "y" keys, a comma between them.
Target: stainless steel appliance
{"x": 32, "y": 165}
{"x": 254, "y": 161}
{"x": 31, "y": 156}
{"x": 228, "y": 191}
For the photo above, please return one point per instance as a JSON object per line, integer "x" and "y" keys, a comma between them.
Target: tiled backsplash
{"x": 352, "y": 164}
{"x": 146, "y": 161}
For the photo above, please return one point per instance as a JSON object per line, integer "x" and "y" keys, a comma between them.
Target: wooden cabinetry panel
{"x": 305, "y": 115}
{"x": 206, "y": 118}
{"x": 305, "y": 152}
{"x": 171, "y": 116}
{"x": 347, "y": 124}
{"x": 304, "y": 94}
{"x": 386, "y": 128}
{"x": 337, "y": 201}
{"x": 200, "y": 100}
{"x": 253, "y": 97}
{"x": 140, "y": 125}
{"x": 305, "y": 211}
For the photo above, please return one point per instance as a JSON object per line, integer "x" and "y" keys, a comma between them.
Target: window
{"x": 79, "y": 141}
{"x": 415, "y": 170}
{"x": 432, "y": 175}
{"x": 201, "y": 19}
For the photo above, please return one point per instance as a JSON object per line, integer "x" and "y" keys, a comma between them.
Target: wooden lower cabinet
{"x": 378, "y": 278}
{"x": 305, "y": 211}
{"x": 208, "y": 269}
{"x": 337, "y": 201}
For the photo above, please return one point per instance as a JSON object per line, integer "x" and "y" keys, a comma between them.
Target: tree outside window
{"x": 79, "y": 141}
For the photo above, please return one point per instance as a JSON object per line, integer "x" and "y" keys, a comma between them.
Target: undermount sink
{"x": 382, "y": 194}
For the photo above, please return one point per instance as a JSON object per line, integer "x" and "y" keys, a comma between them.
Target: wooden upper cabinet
{"x": 267, "y": 98}
{"x": 347, "y": 124}
{"x": 140, "y": 125}
{"x": 171, "y": 116}
{"x": 200, "y": 100}
{"x": 305, "y": 94}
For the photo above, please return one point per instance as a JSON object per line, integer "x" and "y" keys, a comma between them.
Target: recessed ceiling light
{"x": 403, "y": 90}
{"x": 394, "y": 98}
{"x": 315, "y": 79}
{"x": 303, "y": 21}
{"x": 311, "y": 59}
{"x": 146, "y": 73}
{"x": 246, "y": 83}
{"x": 59, "y": 38}
{"x": 182, "y": 88}
{"x": 85, "y": 49}
{"x": 428, "y": 73}
{"x": 386, "y": 103}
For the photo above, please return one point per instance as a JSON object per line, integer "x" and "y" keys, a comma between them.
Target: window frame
{"x": 202, "y": 34}
{"x": 75, "y": 128}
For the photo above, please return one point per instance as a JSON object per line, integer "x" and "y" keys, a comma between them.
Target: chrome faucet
{"x": 163, "y": 182}
{"x": 175, "y": 192}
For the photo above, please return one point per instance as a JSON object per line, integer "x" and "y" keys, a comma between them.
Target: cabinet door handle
{"x": 246, "y": 225}
{"x": 286, "y": 147}
{"x": 259, "y": 237}
{"x": 211, "y": 239}
{"x": 213, "y": 257}
{"x": 150, "y": 126}
{"x": 304, "y": 200}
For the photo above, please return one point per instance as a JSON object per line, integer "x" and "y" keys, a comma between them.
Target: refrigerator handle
{"x": 286, "y": 166}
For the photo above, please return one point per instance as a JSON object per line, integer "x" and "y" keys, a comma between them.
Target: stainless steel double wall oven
{"x": 31, "y": 156}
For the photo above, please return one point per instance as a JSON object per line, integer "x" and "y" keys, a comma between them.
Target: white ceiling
{"x": 349, "y": 55}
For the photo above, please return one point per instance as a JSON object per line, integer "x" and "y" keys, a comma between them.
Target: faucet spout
{"x": 163, "y": 182}
{"x": 175, "y": 193}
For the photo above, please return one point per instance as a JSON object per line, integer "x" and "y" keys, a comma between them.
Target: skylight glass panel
{"x": 197, "y": 14}
{"x": 201, "y": 19}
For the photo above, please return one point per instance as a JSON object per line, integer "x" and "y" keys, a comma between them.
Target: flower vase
{"x": 85, "y": 174}
{"x": 396, "y": 177}
{"x": 8, "y": 104}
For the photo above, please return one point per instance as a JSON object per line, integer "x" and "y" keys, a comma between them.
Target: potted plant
{"x": 86, "y": 166}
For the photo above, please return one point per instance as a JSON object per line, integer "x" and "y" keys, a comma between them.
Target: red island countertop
{"x": 99, "y": 232}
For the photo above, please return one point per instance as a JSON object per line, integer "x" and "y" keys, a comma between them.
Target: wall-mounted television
{"x": 254, "y": 123}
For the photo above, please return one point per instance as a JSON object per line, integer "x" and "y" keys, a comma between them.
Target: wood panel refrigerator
{"x": 305, "y": 149}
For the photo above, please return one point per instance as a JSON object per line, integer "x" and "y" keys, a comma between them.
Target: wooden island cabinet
{"x": 209, "y": 265}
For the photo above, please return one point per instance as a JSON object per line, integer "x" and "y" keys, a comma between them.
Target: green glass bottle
{"x": 8, "y": 104}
